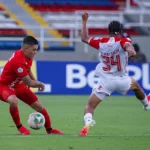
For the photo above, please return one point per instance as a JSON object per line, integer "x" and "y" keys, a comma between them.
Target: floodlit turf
{"x": 122, "y": 124}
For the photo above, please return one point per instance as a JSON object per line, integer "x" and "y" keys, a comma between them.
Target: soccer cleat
{"x": 147, "y": 107}
{"x": 54, "y": 131}
{"x": 84, "y": 131}
{"x": 24, "y": 131}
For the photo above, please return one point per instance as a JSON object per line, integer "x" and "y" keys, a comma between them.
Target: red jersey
{"x": 17, "y": 67}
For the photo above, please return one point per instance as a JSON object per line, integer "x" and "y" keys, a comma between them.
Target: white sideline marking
{"x": 74, "y": 135}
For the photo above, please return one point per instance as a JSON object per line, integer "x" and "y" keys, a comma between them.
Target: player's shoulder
{"x": 125, "y": 39}
{"x": 105, "y": 39}
{"x": 17, "y": 57}
{"x": 99, "y": 39}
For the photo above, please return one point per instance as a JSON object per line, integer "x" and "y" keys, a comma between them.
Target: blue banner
{"x": 78, "y": 77}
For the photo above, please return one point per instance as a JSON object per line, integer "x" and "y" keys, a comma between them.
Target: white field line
{"x": 74, "y": 135}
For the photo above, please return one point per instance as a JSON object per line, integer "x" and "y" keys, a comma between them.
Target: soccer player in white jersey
{"x": 113, "y": 54}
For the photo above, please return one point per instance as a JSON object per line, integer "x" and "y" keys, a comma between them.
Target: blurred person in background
{"x": 140, "y": 57}
{"x": 125, "y": 35}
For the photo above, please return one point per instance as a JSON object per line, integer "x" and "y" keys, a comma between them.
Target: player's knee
{"x": 37, "y": 106}
{"x": 13, "y": 101}
{"x": 136, "y": 87}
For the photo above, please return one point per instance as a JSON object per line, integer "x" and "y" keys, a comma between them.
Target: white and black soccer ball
{"x": 36, "y": 121}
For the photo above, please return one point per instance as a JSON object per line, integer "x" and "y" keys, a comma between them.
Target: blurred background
{"x": 57, "y": 25}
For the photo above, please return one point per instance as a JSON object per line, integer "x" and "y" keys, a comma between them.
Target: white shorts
{"x": 107, "y": 86}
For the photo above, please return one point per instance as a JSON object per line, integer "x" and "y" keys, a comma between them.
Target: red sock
{"x": 48, "y": 124}
{"x": 15, "y": 115}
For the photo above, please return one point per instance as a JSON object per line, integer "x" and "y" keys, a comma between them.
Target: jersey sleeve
{"x": 125, "y": 40}
{"x": 20, "y": 70}
{"x": 95, "y": 42}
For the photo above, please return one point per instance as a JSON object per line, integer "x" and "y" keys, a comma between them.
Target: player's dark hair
{"x": 30, "y": 40}
{"x": 115, "y": 27}
{"x": 136, "y": 47}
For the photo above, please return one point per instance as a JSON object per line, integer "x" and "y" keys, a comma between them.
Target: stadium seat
{"x": 100, "y": 31}
{"x": 69, "y": 5}
{"x": 63, "y": 9}
{"x": 12, "y": 32}
{"x": 9, "y": 28}
{"x": 1, "y": 9}
{"x": 49, "y": 9}
{"x": 10, "y": 45}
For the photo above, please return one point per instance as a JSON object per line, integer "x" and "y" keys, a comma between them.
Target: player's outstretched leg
{"x": 140, "y": 94}
{"x": 48, "y": 126}
{"x": 88, "y": 112}
{"x": 14, "y": 112}
{"x": 148, "y": 106}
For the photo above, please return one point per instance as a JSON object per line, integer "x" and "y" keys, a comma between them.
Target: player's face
{"x": 32, "y": 51}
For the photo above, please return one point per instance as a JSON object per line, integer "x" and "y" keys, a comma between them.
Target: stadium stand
{"x": 61, "y": 16}
{"x": 57, "y": 13}
{"x": 69, "y": 6}
{"x": 10, "y": 27}
{"x": 37, "y": 17}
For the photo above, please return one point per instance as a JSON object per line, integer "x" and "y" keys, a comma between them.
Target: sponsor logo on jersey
{"x": 20, "y": 70}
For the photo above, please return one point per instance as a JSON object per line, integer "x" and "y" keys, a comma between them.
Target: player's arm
{"x": 130, "y": 49}
{"x": 84, "y": 35}
{"x": 92, "y": 41}
{"x": 21, "y": 71}
{"x": 31, "y": 75}
{"x": 33, "y": 83}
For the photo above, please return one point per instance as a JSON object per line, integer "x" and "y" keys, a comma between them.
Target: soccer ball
{"x": 36, "y": 120}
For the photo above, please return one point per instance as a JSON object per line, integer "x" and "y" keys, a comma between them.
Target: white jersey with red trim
{"x": 113, "y": 58}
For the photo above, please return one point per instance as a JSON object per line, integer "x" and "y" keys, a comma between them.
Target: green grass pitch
{"x": 121, "y": 124}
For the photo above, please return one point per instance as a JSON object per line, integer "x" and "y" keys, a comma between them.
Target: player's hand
{"x": 132, "y": 53}
{"x": 41, "y": 87}
{"x": 85, "y": 16}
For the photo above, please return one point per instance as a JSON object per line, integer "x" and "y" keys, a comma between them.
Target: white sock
{"x": 145, "y": 101}
{"x": 88, "y": 118}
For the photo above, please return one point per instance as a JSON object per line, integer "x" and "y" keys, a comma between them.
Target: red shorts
{"x": 21, "y": 91}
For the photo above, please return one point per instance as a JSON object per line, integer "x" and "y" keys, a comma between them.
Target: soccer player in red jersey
{"x": 15, "y": 82}
{"x": 113, "y": 76}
